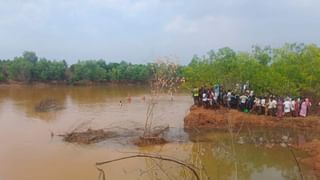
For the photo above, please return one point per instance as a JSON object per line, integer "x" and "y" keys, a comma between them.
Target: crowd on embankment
{"x": 247, "y": 101}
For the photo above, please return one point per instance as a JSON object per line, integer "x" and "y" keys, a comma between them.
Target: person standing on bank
{"x": 305, "y": 107}
{"x": 243, "y": 100}
{"x": 195, "y": 95}
{"x": 318, "y": 108}
{"x": 280, "y": 108}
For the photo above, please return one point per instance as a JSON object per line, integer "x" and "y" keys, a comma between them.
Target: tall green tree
{"x": 30, "y": 56}
{"x": 20, "y": 69}
{"x": 293, "y": 69}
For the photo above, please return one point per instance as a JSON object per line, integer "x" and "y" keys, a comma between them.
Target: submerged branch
{"x": 194, "y": 172}
{"x": 296, "y": 161}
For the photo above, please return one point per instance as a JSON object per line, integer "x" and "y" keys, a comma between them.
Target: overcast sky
{"x": 141, "y": 30}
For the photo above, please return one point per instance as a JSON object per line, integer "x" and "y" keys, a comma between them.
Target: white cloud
{"x": 181, "y": 25}
{"x": 304, "y": 3}
{"x": 198, "y": 35}
{"x": 14, "y": 8}
{"x": 126, "y": 7}
{"x": 205, "y": 24}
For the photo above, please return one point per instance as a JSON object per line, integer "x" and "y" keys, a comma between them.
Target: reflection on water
{"x": 27, "y": 97}
{"x": 253, "y": 161}
{"x": 29, "y": 152}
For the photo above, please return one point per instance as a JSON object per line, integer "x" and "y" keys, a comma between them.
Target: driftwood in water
{"x": 91, "y": 136}
{"x": 156, "y": 137}
{"x": 88, "y": 137}
{"x": 48, "y": 104}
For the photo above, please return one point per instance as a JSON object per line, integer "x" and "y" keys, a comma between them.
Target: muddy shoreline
{"x": 67, "y": 83}
{"x": 221, "y": 119}
{"x": 199, "y": 117}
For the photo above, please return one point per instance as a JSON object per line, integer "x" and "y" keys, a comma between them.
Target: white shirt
{"x": 270, "y": 104}
{"x": 229, "y": 96}
{"x": 263, "y": 102}
{"x": 257, "y": 102}
{"x": 287, "y": 106}
{"x": 293, "y": 103}
{"x": 274, "y": 103}
{"x": 243, "y": 98}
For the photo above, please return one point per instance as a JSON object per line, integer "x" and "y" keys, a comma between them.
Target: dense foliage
{"x": 28, "y": 68}
{"x": 100, "y": 71}
{"x": 293, "y": 69}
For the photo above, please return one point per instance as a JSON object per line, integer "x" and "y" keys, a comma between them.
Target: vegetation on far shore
{"x": 29, "y": 68}
{"x": 293, "y": 69}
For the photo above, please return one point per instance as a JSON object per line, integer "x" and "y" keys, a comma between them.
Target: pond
{"x": 31, "y": 150}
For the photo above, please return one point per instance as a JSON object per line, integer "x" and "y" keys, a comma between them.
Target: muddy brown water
{"x": 29, "y": 152}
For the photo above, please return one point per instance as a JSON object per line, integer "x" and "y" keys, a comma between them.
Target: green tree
{"x": 20, "y": 69}
{"x": 3, "y": 70}
{"x": 46, "y": 70}
{"x": 88, "y": 70}
{"x": 30, "y": 56}
{"x": 293, "y": 69}
{"x": 263, "y": 55}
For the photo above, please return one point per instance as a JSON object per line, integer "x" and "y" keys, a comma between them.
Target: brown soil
{"x": 313, "y": 149}
{"x": 218, "y": 119}
{"x": 88, "y": 137}
{"x": 146, "y": 141}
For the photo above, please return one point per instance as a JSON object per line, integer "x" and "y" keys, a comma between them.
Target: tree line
{"x": 29, "y": 68}
{"x": 293, "y": 69}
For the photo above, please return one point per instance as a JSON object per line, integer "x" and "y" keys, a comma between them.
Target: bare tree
{"x": 166, "y": 80}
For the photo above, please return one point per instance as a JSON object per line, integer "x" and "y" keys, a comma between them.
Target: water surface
{"x": 29, "y": 152}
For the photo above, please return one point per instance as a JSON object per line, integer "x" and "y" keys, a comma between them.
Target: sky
{"x": 141, "y": 31}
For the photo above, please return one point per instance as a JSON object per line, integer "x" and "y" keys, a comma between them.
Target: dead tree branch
{"x": 296, "y": 160}
{"x": 192, "y": 169}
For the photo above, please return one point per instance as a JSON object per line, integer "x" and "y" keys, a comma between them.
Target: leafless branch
{"x": 190, "y": 167}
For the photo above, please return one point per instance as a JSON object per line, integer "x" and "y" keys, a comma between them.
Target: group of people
{"x": 247, "y": 101}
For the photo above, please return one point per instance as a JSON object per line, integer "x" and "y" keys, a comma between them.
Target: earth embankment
{"x": 222, "y": 118}
{"x": 201, "y": 118}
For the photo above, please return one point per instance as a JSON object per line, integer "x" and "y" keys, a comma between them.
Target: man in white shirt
{"x": 243, "y": 100}
{"x": 229, "y": 98}
{"x": 263, "y": 105}
{"x": 274, "y": 106}
{"x": 287, "y": 106}
{"x": 269, "y": 106}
